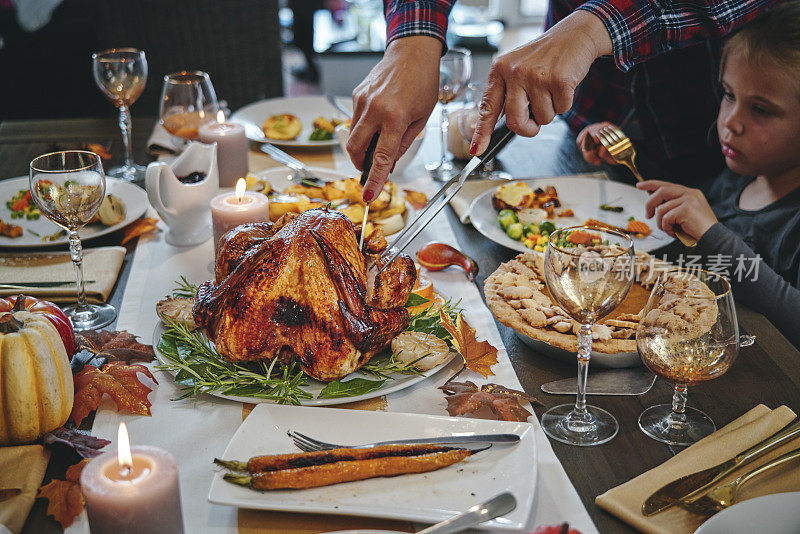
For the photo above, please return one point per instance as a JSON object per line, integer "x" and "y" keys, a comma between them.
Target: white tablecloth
{"x": 197, "y": 430}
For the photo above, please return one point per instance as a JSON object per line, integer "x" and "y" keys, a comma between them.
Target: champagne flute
{"x": 121, "y": 74}
{"x": 68, "y": 187}
{"x": 455, "y": 68}
{"x": 688, "y": 334}
{"x": 187, "y": 101}
{"x": 587, "y": 282}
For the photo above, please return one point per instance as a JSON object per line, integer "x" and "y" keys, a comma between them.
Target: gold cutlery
{"x": 621, "y": 149}
{"x": 692, "y": 485}
{"x": 7, "y": 493}
{"x": 721, "y": 497}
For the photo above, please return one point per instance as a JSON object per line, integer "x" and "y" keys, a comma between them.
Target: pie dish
{"x": 517, "y": 295}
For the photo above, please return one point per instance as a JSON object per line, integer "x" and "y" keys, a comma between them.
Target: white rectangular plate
{"x": 424, "y": 497}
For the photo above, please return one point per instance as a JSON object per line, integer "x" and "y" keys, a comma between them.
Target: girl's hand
{"x": 591, "y": 148}
{"x": 676, "y": 205}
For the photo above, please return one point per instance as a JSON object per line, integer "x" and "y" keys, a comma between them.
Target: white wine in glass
{"x": 455, "y": 69}
{"x": 68, "y": 187}
{"x": 688, "y": 334}
{"x": 587, "y": 281}
{"x": 188, "y": 101}
{"x": 121, "y": 74}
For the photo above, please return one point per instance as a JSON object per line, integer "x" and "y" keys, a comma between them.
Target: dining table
{"x": 766, "y": 372}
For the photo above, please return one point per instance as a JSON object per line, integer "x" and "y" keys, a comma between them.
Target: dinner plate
{"x": 427, "y": 497}
{"x": 777, "y": 514}
{"x": 584, "y": 197}
{"x": 315, "y": 386}
{"x": 305, "y": 108}
{"x": 134, "y": 197}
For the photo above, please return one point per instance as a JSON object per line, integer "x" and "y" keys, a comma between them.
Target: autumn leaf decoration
{"x": 142, "y": 226}
{"x": 65, "y": 500}
{"x": 479, "y": 356}
{"x": 113, "y": 346}
{"x": 119, "y": 381}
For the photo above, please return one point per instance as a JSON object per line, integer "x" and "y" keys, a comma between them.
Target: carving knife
{"x": 364, "y": 175}
{"x": 500, "y": 138}
{"x": 692, "y": 485}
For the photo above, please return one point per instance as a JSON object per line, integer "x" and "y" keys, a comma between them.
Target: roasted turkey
{"x": 299, "y": 289}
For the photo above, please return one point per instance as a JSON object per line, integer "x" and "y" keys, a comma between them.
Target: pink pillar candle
{"x": 232, "y": 146}
{"x": 144, "y": 499}
{"x": 229, "y": 211}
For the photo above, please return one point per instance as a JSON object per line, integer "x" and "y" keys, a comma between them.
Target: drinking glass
{"x": 68, "y": 187}
{"x": 455, "y": 68}
{"x": 466, "y": 124}
{"x": 121, "y": 74}
{"x": 587, "y": 282}
{"x": 688, "y": 334}
{"x": 187, "y": 101}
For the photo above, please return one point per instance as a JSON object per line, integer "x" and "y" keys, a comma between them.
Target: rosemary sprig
{"x": 385, "y": 367}
{"x": 184, "y": 288}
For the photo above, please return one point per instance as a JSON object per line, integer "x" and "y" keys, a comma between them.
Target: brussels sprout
{"x": 532, "y": 228}
{"x": 505, "y": 212}
{"x": 508, "y": 220}
{"x": 515, "y": 231}
{"x": 548, "y": 227}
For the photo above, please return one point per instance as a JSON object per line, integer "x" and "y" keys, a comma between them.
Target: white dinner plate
{"x": 134, "y": 197}
{"x": 584, "y": 197}
{"x": 774, "y": 514}
{"x": 315, "y": 386}
{"x": 427, "y": 497}
{"x": 305, "y": 108}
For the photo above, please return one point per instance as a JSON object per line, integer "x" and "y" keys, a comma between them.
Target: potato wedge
{"x": 354, "y": 212}
{"x": 284, "y": 127}
{"x": 514, "y": 196}
{"x": 334, "y": 190}
{"x": 302, "y": 189}
{"x": 391, "y": 225}
{"x": 282, "y": 204}
{"x": 352, "y": 191}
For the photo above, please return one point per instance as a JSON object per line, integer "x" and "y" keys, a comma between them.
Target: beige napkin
{"x": 100, "y": 270}
{"x": 625, "y": 501}
{"x": 472, "y": 189}
{"x": 21, "y": 467}
{"x": 162, "y": 142}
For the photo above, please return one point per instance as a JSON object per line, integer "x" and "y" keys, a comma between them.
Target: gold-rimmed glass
{"x": 587, "y": 282}
{"x": 688, "y": 334}
{"x": 68, "y": 187}
{"x": 188, "y": 101}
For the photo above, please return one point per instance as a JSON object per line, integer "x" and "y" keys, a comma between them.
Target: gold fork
{"x": 721, "y": 497}
{"x": 621, "y": 149}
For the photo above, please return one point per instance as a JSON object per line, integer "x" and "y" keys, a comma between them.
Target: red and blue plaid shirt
{"x": 665, "y": 98}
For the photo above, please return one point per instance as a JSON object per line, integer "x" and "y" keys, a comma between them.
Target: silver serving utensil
{"x": 308, "y": 444}
{"x": 611, "y": 382}
{"x": 251, "y": 130}
{"x": 500, "y": 138}
{"x": 335, "y": 103}
{"x": 494, "y": 507}
{"x": 296, "y": 165}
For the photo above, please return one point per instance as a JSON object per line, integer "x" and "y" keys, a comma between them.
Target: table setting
{"x": 249, "y": 347}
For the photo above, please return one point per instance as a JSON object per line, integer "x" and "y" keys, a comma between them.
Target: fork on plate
{"x": 621, "y": 149}
{"x": 309, "y": 444}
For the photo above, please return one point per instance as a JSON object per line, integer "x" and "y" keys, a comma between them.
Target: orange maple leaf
{"x": 65, "y": 500}
{"x": 117, "y": 380}
{"x": 479, "y": 356}
{"x": 142, "y": 226}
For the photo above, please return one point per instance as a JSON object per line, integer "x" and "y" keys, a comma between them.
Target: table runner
{"x": 198, "y": 429}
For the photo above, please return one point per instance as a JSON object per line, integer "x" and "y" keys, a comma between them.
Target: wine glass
{"x": 121, "y": 74}
{"x": 688, "y": 334}
{"x": 455, "y": 68}
{"x": 466, "y": 124}
{"x": 187, "y": 101}
{"x": 68, "y": 187}
{"x": 587, "y": 282}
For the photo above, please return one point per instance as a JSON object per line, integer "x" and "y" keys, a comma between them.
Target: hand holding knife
{"x": 368, "y": 157}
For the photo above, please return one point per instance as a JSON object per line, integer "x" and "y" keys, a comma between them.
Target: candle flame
{"x": 124, "y": 448}
{"x": 220, "y": 116}
{"x": 241, "y": 185}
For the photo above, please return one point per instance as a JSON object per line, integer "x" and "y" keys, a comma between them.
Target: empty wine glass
{"x": 68, "y": 187}
{"x": 688, "y": 334}
{"x": 587, "y": 281}
{"x": 187, "y": 101}
{"x": 455, "y": 68}
{"x": 465, "y": 126}
{"x": 121, "y": 74}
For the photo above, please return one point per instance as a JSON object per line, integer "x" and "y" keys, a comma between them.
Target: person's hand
{"x": 676, "y": 205}
{"x": 536, "y": 81}
{"x": 396, "y": 99}
{"x": 589, "y": 144}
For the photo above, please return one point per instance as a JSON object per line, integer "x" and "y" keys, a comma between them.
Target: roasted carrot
{"x": 638, "y": 227}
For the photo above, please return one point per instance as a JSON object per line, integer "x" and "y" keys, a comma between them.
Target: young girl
{"x": 752, "y": 212}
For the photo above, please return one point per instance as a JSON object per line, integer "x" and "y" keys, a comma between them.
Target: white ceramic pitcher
{"x": 185, "y": 208}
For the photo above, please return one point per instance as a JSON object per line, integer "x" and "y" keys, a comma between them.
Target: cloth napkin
{"x": 625, "y": 501}
{"x": 161, "y": 142}
{"x": 472, "y": 189}
{"x": 21, "y": 467}
{"x": 100, "y": 270}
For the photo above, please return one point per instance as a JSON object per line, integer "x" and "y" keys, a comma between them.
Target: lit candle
{"x": 232, "y": 148}
{"x": 132, "y": 491}
{"x": 229, "y": 210}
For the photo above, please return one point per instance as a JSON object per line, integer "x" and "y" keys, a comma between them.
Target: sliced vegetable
{"x": 638, "y": 227}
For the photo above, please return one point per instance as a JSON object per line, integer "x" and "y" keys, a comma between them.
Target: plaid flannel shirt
{"x": 660, "y": 85}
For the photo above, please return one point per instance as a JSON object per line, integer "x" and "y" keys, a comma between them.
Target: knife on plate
{"x": 500, "y": 138}
{"x": 368, "y": 156}
{"x": 689, "y": 486}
